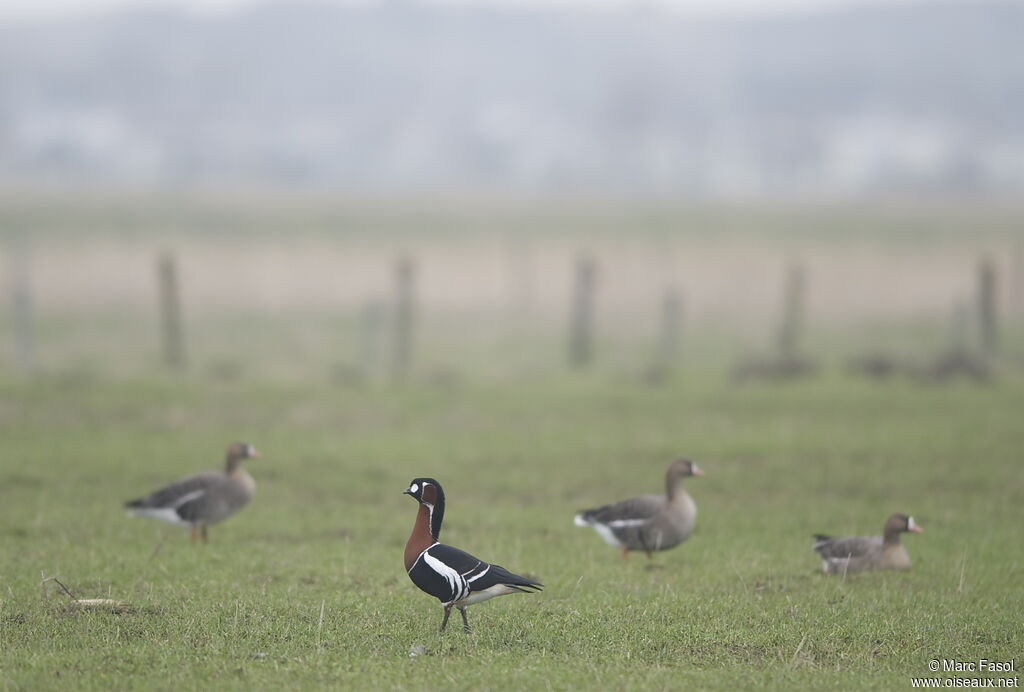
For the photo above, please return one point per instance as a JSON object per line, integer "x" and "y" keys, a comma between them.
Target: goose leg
{"x": 202, "y": 532}
{"x": 192, "y": 534}
{"x": 625, "y": 553}
{"x": 465, "y": 621}
{"x": 444, "y": 621}
{"x": 651, "y": 564}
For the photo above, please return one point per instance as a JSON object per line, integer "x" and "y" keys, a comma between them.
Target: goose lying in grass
{"x": 861, "y": 553}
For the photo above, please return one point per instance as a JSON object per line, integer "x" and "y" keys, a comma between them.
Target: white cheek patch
{"x": 414, "y": 488}
{"x": 910, "y": 523}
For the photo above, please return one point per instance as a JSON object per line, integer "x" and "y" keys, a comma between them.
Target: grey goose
{"x": 861, "y": 553}
{"x": 203, "y": 499}
{"x": 648, "y": 522}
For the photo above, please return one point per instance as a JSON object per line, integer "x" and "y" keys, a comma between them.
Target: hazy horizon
{"x": 411, "y": 96}
{"x": 18, "y": 10}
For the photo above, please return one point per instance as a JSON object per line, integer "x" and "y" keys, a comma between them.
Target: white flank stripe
{"x": 835, "y": 564}
{"x": 473, "y": 579}
{"x": 456, "y": 582}
{"x": 607, "y": 534}
{"x": 162, "y": 513}
{"x": 188, "y": 497}
{"x": 623, "y": 523}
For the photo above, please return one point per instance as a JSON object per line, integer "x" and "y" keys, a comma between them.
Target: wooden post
{"x": 791, "y": 324}
{"x": 988, "y": 327}
{"x": 581, "y": 320}
{"x": 1016, "y": 288}
{"x": 670, "y": 329}
{"x": 172, "y": 332}
{"x": 404, "y": 315}
{"x": 19, "y": 263}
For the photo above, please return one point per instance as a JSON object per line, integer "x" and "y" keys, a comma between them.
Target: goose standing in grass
{"x": 454, "y": 577}
{"x": 648, "y": 522}
{"x": 860, "y": 553}
{"x": 202, "y": 499}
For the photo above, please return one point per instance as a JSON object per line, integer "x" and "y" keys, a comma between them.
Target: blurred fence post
{"x": 581, "y": 320}
{"x": 405, "y": 307}
{"x": 670, "y": 329}
{"x": 1015, "y": 291}
{"x": 172, "y": 332}
{"x": 988, "y": 327}
{"x": 792, "y": 321}
{"x": 19, "y": 263}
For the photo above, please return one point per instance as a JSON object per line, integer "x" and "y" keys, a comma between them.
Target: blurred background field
{"x": 741, "y": 604}
{"x": 304, "y": 285}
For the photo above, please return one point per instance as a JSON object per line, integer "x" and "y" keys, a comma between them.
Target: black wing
{"x": 480, "y": 575}
{"x": 450, "y": 574}
{"x": 438, "y": 572}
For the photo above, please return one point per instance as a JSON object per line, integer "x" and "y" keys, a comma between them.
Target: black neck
{"x": 436, "y": 514}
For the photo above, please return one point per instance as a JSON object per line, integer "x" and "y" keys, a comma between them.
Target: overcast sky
{"x": 19, "y": 9}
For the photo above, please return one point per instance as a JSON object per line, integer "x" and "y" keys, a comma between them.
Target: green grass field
{"x": 280, "y": 356}
{"x": 742, "y": 604}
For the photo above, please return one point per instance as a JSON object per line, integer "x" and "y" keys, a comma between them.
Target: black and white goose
{"x": 454, "y": 577}
{"x": 861, "y": 553}
{"x": 202, "y": 499}
{"x": 648, "y": 522}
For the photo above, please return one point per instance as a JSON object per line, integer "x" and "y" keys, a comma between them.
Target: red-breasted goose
{"x": 202, "y": 499}
{"x": 860, "y": 553}
{"x": 454, "y": 577}
{"x": 649, "y": 522}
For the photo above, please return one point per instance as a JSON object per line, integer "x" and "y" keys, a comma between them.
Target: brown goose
{"x": 860, "y": 553}
{"x": 648, "y": 522}
{"x": 202, "y": 499}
